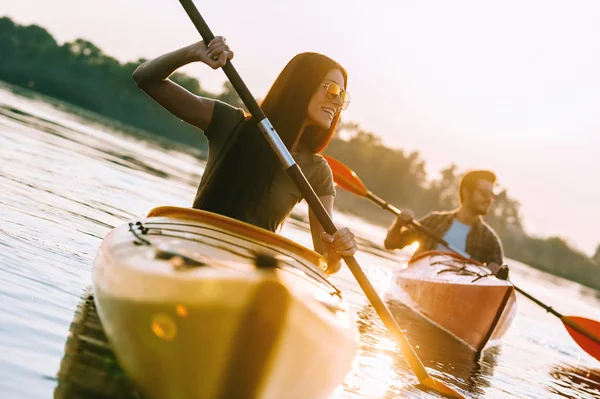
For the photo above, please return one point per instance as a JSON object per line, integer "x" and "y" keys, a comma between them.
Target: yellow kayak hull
{"x": 197, "y": 305}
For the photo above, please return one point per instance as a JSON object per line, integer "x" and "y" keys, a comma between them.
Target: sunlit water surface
{"x": 68, "y": 177}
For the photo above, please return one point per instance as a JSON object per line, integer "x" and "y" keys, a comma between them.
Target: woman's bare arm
{"x": 153, "y": 78}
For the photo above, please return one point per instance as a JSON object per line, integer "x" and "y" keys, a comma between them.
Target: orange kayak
{"x": 458, "y": 295}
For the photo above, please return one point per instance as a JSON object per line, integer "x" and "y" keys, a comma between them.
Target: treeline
{"x": 80, "y": 73}
{"x": 400, "y": 179}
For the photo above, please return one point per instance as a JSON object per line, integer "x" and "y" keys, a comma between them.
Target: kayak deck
{"x": 460, "y": 296}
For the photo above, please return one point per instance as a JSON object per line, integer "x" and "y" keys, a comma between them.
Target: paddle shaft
{"x": 348, "y": 180}
{"x": 575, "y": 326}
{"x": 386, "y": 205}
{"x": 308, "y": 193}
{"x": 565, "y": 319}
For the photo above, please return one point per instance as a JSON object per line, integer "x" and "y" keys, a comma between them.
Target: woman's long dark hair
{"x": 249, "y": 167}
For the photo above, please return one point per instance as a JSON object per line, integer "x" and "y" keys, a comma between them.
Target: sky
{"x": 510, "y": 85}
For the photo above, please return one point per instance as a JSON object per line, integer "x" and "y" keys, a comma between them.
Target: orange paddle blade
{"x": 589, "y": 338}
{"x": 345, "y": 177}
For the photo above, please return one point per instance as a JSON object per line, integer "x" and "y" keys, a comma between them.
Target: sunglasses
{"x": 486, "y": 193}
{"x": 333, "y": 90}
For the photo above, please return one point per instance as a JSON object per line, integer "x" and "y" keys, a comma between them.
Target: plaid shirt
{"x": 482, "y": 244}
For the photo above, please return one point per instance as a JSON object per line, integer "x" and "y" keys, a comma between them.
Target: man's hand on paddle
{"x": 394, "y": 239}
{"x": 500, "y": 271}
{"x": 404, "y": 218}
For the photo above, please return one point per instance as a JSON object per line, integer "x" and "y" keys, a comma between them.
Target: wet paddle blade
{"x": 588, "y": 339}
{"x": 346, "y": 178}
{"x": 442, "y": 388}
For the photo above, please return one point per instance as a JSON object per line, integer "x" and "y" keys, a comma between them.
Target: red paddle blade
{"x": 588, "y": 336}
{"x": 345, "y": 177}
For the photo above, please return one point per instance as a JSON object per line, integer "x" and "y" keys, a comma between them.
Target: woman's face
{"x": 321, "y": 110}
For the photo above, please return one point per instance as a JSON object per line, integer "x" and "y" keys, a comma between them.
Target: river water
{"x": 68, "y": 176}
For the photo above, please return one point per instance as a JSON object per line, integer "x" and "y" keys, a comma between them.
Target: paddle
{"x": 317, "y": 207}
{"x": 584, "y": 331}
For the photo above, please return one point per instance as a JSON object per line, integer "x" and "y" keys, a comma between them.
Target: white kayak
{"x": 197, "y": 305}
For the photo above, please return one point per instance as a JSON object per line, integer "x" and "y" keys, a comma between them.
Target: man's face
{"x": 479, "y": 199}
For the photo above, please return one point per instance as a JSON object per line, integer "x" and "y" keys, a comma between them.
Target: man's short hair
{"x": 469, "y": 180}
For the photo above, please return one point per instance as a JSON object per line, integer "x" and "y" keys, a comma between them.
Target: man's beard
{"x": 480, "y": 211}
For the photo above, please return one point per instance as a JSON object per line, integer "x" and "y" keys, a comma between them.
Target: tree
{"x": 80, "y": 73}
{"x": 230, "y": 96}
{"x": 596, "y": 257}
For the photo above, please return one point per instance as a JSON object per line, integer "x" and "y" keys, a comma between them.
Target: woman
{"x": 244, "y": 178}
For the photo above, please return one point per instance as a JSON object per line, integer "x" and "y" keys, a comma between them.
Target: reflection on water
{"x": 68, "y": 177}
{"x": 443, "y": 355}
{"x": 586, "y": 381}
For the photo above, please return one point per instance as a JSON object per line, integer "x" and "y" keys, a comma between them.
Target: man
{"x": 462, "y": 228}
